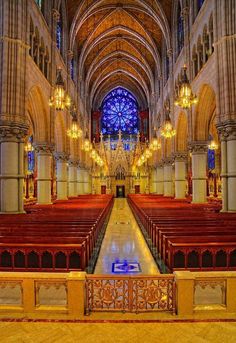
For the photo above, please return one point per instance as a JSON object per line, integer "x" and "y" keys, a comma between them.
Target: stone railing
{"x": 72, "y": 295}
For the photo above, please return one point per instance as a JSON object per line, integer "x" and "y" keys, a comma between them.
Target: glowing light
{"x": 60, "y": 100}
{"x": 185, "y": 97}
{"x": 167, "y": 130}
{"x": 75, "y": 131}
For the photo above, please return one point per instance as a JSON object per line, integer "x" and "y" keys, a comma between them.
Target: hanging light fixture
{"x": 60, "y": 100}
{"x": 213, "y": 145}
{"x": 185, "y": 97}
{"x": 87, "y": 146}
{"x": 167, "y": 130}
{"x": 75, "y": 131}
{"x": 155, "y": 143}
{"x": 29, "y": 146}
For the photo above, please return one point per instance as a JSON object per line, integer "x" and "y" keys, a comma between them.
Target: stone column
{"x": 168, "y": 178}
{"x": 44, "y": 173}
{"x": 14, "y": 51}
{"x": 86, "y": 182}
{"x": 72, "y": 178}
{"x": 199, "y": 167}
{"x": 80, "y": 180}
{"x": 12, "y": 168}
{"x": 160, "y": 179}
{"x": 227, "y": 133}
{"x": 62, "y": 175}
{"x": 154, "y": 180}
{"x": 180, "y": 175}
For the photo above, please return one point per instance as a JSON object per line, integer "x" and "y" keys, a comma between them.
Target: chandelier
{"x": 155, "y": 144}
{"x": 60, "y": 100}
{"x": 185, "y": 97}
{"x": 213, "y": 145}
{"x": 75, "y": 131}
{"x": 87, "y": 146}
{"x": 29, "y": 147}
{"x": 167, "y": 130}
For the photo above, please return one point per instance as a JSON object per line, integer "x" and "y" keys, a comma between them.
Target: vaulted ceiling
{"x": 119, "y": 43}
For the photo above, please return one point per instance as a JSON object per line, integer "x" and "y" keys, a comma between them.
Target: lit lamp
{"x": 185, "y": 97}
{"x": 213, "y": 145}
{"x": 87, "y": 146}
{"x": 75, "y": 131}
{"x": 60, "y": 100}
{"x": 155, "y": 144}
{"x": 167, "y": 130}
{"x": 29, "y": 147}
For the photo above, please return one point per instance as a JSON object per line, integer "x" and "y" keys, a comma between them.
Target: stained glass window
{"x": 211, "y": 159}
{"x": 72, "y": 68}
{"x": 119, "y": 112}
{"x": 59, "y": 34}
{"x": 180, "y": 30}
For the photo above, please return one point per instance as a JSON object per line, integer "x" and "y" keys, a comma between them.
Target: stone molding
{"x": 180, "y": 156}
{"x": 168, "y": 161}
{"x": 61, "y": 156}
{"x": 227, "y": 130}
{"x": 198, "y": 147}
{"x": 73, "y": 163}
{"x": 13, "y": 132}
{"x": 43, "y": 148}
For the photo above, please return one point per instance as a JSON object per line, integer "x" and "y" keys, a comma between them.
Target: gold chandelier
{"x": 60, "y": 100}
{"x": 87, "y": 146}
{"x": 29, "y": 147}
{"x": 185, "y": 97}
{"x": 213, "y": 144}
{"x": 168, "y": 130}
{"x": 155, "y": 143}
{"x": 75, "y": 131}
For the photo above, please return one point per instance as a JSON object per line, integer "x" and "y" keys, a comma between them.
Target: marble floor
{"x": 124, "y": 241}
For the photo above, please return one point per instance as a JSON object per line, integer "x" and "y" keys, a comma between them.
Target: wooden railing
{"x": 75, "y": 294}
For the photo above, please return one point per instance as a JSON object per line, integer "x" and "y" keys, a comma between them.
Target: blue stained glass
{"x": 211, "y": 159}
{"x": 59, "y": 35}
{"x": 180, "y": 28}
{"x": 120, "y": 112}
{"x": 199, "y": 4}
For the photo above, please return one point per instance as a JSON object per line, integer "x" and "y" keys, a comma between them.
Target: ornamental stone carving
{"x": 73, "y": 163}
{"x": 13, "y": 132}
{"x": 61, "y": 156}
{"x": 227, "y": 130}
{"x": 198, "y": 147}
{"x": 180, "y": 156}
{"x": 43, "y": 148}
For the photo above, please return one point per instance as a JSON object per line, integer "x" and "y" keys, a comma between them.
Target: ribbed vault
{"x": 119, "y": 43}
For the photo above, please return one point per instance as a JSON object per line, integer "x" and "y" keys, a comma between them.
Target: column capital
{"x": 61, "y": 156}
{"x": 168, "y": 161}
{"x": 55, "y": 15}
{"x": 180, "y": 156}
{"x": 70, "y": 54}
{"x": 198, "y": 147}
{"x": 227, "y": 130}
{"x": 73, "y": 163}
{"x": 46, "y": 148}
{"x": 13, "y": 132}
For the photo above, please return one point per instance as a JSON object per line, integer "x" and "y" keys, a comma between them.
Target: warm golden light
{"x": 75, "y": 131}
{"x": 60, "y": 100}
{"x": 213, "y": 145}
{"x": 155, "y": 144}
{"x": 167, "y": 130}
{"x": 185, "y": 97}
{"x": 29, "y": 147}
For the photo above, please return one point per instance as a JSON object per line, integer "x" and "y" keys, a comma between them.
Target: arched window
{"x": 30, "y": 155}
{"x": 180, "y": 30}
{"x": 119, "y": 113}
{"x": 59, "y": 33}
{"x": 72, "y": 68}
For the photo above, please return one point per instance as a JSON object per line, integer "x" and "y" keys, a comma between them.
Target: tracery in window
{"x": 119, "y": 113}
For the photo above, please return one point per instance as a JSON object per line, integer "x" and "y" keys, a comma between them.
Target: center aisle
{"x": 123, "y": 244}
